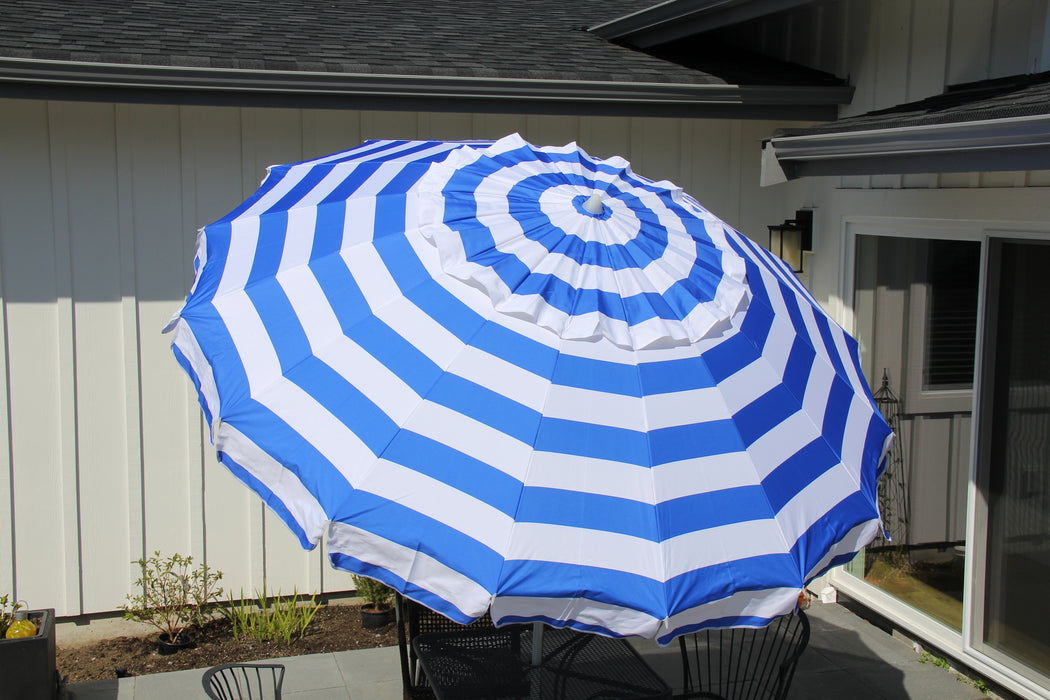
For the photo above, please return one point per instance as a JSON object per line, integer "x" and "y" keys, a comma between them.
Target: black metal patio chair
{"x": 413, "y": 620}
{"x": 743, "y": 664}
{"x": 244, "y": 681}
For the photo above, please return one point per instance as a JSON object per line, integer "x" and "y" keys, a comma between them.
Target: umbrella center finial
{"x": 594, "y": 205}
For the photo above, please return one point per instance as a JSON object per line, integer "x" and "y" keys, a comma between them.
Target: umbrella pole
{"x": 537, "y": 643}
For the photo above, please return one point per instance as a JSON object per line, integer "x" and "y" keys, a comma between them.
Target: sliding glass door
{"x": 1012, "y": 607}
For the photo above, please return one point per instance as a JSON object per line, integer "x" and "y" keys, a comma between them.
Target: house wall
{"x": 103, "y": 455}
{"x": 896, "y": 51}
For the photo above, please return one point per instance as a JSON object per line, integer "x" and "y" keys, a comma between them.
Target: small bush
{"x": 271, "y": 619}
{"x": 376, "y": 593}
{"x": 175, "y": 594}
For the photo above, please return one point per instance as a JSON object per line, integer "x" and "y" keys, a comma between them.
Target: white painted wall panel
{"x": 105, "y": 457}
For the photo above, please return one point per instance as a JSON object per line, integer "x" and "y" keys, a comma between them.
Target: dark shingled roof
{"x": 1002, "y": 98}
{"x": 532, "y": 39}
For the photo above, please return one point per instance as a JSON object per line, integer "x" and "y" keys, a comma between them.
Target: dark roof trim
{"x": 174, "y": 85}
{"x": 677, "y": 19}
{"x": 1021, "y": 143}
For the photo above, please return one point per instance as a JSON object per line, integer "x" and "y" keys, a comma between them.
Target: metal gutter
{"x": 676, "y": 19}
{"x": 1018, "y": 143}
{"x": 173, "y": 84}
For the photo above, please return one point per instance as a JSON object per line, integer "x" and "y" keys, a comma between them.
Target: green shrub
{"x": 376, "y": 593}
{"x": 271, "y": 619}
{"x": 175, "y": 595}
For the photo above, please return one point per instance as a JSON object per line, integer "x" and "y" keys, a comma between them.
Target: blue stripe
{"x": 487, "y": 407}
{"x": 217, "y": 248}
{"x": 836, "y": 412}
{"x": 283, "y": 328}
{"x": 273, "y": 177}
{"x": 353, "y": 181}
{"x": 765, "y": 413}
{"x": 703, "y": 511}
{"x": 569, "y": 437}
{"x": 345, "y": 402}
{"x": 798, "y": 471}
{"x": 268, "y": 497}
{"x": 417, "y": 532}
{"x": 450, "y": 466}
{"x": 308, "y": 182}
{"x": 679, "y": 442}
{"x": 814, "y": 544}
{"x": 184, "y": 362}
{"x": 597, "y": 375}
{"x": 345, "y": 562}
{"x": 269, "y": 247}
{"x": 672, "y": 376}
{"x": 588, "y": 511}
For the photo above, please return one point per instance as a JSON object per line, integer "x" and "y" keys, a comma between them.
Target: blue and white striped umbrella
{"x": 529, "y": 381}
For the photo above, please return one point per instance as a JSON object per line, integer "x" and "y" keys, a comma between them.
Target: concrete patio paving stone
{"x": 847, "y": 657}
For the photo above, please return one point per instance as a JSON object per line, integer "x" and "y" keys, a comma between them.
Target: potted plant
{"x": 27, "y": 664}
{"x": 376, "y": 611}
{"x": 174, "y": 596}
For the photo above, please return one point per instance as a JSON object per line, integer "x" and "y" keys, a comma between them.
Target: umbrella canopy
{"x": 529, "y": 381}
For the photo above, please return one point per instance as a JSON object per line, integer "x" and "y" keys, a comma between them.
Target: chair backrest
{"x": 244, "y": 681}
{"x": 414, "y": 619}
{"x": 744, "y": 664}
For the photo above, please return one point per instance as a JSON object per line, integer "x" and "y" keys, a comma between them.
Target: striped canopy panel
{"x": 496, "y": 390}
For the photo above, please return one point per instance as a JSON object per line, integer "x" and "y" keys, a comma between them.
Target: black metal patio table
{"x": 496, "y": 663}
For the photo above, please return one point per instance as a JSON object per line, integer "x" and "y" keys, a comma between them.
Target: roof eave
{"x": 176, "y": 84}
{"x": 1020, "y": 143}
{"x": 676, "y": 19}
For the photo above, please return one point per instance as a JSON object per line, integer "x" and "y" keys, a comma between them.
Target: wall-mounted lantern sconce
{"x": 789, "y": 239}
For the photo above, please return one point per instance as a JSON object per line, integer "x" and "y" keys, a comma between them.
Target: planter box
{"x": 27, "y": 665}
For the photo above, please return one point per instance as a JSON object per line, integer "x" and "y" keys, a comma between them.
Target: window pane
{"x": 916, "y": 300}
{"x": 952, "y": 269}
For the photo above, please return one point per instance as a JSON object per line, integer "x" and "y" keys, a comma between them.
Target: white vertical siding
{"x": 103, "y": 454}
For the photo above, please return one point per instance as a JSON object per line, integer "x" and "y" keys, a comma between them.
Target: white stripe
{"x": 299, "y": 239}
{"x": 501, "y": 377}
{"x": 384, "y": 388}
{"x": 439, "y": 501}
{"x": 184, "y": 339}
{"x": 857, "y": 420}
{"x": 596, "y": 407}
{"x": 587, "y": 612}
{"x": 317, "y": 426}
{"x": 472, "y": 438}
{"x": 410, "y": 564}
{"x": 590, "y": 475}
{"x": 704, "y": 475}
{"x": 244, "y": 236}
{"x": 302, "y": 505}
{"x": 809, "y": 505}
{"x": 748, "y": 383}
{"x": 659, "y": 561}
{"x": 853, "y": 541}
{"x": 685, "y": 408}
{"x": 818, "y": 390}
{"x": 782, "y": 442}
{"x": 420, "y": 330}
{"x": 253, "y": 344}
{"x": 289, "y": 182}
{"x": 718, "y": 545}
{"x": 766, "y": 604}
{"x": 358, "y": 224}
